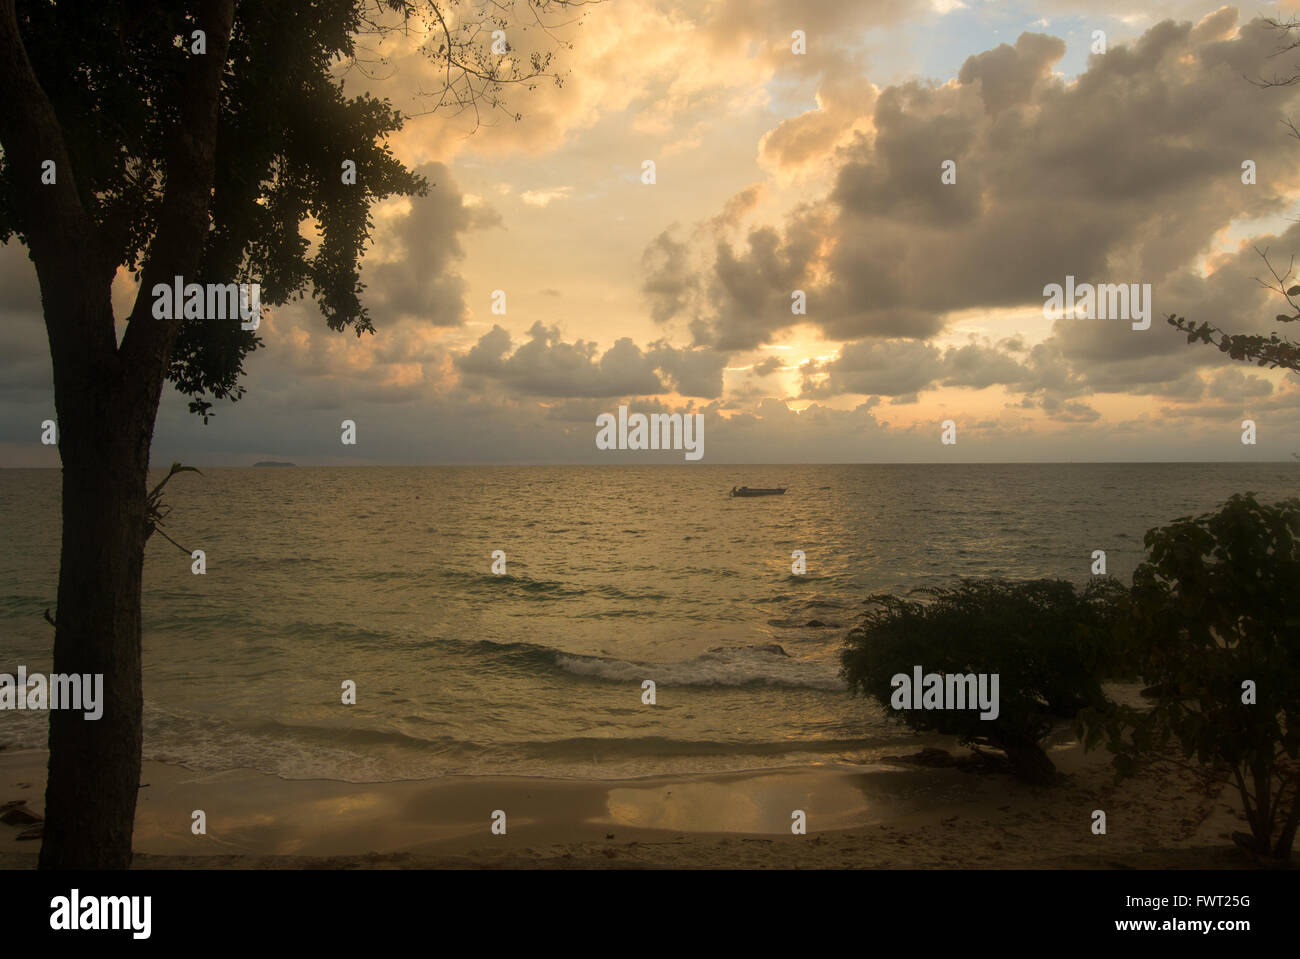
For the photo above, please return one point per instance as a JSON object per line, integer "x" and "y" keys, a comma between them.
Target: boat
{"x": 758, "y": 491}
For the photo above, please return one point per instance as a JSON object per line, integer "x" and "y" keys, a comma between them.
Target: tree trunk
{"x": 1286, "y": 838}
{"x": 1028, "y": 760}
{"x": 106, "y": 395}
{"x": 94, "y": 765}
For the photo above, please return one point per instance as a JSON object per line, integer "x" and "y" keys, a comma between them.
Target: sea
{"x": 606, "y": 578}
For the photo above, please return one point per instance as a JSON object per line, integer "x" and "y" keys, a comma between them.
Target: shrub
{"x": 1049, "y": 644}
{"x": 1214, "y": 626}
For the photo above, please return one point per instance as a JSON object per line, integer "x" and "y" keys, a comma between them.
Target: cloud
{"x": 695, "y": 372}
{"x": 669, "y": 280}
{"x": 904, "y": 368}
{"x": 978, "y": 366}
{"x": 845, "y": 98}
{"x": 748, "y": 293}
{"x": 1233, "y": 384}
{"x": 1130, "y": 174}
{"x": 737, "y": 207}
{"x": 1007, "y": 75}
{"x": 420, "y": 282}
{"x": 547, "y": 366}
{"x": 793, "y": 172}
{"x": 883, "y": 368}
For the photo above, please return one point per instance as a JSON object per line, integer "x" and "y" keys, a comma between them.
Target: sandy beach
{"x": 885, "y": 816}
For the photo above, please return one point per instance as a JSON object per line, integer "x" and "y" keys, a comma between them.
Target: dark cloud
{"x": 1006, "y": 75}
{"x": 695, "y": 372}
{"x": 1234, "y": 385}
{"x": 897, "y": 177}
{"x": 978, "y": 365}
{"x": 1128, "y": 175}
{"x": 874, "y": 367}
{"x": 547, "y": 366}
{"x": 669, "y": 280}
{"x": 1069, "y": 411}
{"x": 422, "y": 285}
{"x": 749, "y": 290}
{"x": 903, "y": 368}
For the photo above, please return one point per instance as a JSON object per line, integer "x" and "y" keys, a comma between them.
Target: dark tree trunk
{"x": 106, "y": 395}
{"x": 1027, "y": 759}
{"x": 94, "y": 765}
{"x": 1286, "y": 838}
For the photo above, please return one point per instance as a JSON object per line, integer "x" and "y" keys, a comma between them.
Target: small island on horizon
{"x": 273, "y": 463}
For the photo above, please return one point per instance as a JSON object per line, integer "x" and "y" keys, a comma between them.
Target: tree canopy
{"x": 115, "y": 75}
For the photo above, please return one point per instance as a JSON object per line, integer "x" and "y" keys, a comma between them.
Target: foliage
{"x": 1273, "y": 350}
{"x": 114, "y": 72}
{"x": 1049, "y": 643}
{"x": 1216, "y": 606}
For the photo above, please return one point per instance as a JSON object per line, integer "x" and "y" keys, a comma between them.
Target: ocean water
{"x": 614, "y": 575}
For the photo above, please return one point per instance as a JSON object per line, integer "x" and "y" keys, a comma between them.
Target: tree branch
{"x": 50, "y": 217}
{"x": 183, "y": 221}
{"x": 1272, "y": 351}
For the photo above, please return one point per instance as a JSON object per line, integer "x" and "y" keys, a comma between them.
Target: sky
{"x": 777, "y": 171}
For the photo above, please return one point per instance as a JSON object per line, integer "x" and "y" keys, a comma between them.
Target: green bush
{"x": 1049, "y": 644}
{"x": 1215, "y": 608}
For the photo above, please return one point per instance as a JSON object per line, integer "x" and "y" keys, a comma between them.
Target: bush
{"x": 1215, "y": 612}
{"x": 1049, "y": 645}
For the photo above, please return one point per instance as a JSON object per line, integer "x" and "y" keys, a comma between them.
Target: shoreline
{"x": 878, "y": 816}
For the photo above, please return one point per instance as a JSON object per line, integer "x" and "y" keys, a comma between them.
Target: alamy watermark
{"x": 658, "y": 431}
{"x": 213, "y": 301}
{"x": 74, "y": 691}
{"x": 75, "y": 912}
{"x": 951, "y": 691}
{"x": 1105, "y": 301}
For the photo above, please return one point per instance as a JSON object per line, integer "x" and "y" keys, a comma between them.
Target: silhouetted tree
{"x": 1213, "y": 624}
{"x": 127, "y": 144}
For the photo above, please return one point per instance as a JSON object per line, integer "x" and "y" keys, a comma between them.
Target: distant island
{"x": 273, "y": 463}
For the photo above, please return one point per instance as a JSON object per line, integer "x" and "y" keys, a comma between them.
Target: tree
{"x": 1213, "y": 624}
{"x": 1049, "y": 644}
{"x": 186, "y": 140}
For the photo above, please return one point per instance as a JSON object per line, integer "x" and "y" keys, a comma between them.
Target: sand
{"x": 881, "y": 816}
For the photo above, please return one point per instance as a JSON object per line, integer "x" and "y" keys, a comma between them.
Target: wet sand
{"x": 883, "y": 816}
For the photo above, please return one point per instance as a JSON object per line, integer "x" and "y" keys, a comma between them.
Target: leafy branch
{"x": 156, "y": 511}
{"x": 1272, "y": 351}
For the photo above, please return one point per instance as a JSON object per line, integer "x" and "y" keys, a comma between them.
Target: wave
{"x": 304, "y": 751}
{"x": 756, "y": 664}
{"x": 531, "y": 587}
{"x": 767, "y": 665}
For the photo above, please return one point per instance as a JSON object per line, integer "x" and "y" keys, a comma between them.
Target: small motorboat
{"x": 758, "y": 490}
